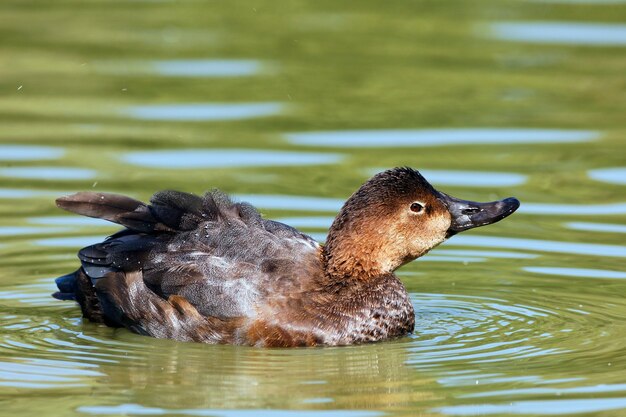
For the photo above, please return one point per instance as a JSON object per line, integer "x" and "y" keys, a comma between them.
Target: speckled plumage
{"x": 210, "y": 270}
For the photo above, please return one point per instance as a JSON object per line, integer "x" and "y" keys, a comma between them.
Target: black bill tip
{"x": 469, "y": 214}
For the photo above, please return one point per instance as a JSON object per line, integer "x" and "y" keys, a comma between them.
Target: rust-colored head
{"x": 396, "y": 217}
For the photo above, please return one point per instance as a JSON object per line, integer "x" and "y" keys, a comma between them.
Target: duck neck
{"x": 350, "y": 256}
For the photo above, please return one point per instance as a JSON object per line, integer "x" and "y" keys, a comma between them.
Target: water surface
{"x": 291, "y": 106}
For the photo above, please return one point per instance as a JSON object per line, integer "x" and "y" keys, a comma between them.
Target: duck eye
{"x": 417, "y": 208}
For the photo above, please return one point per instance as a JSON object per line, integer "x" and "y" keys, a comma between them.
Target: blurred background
{"x": 291, "y": 105}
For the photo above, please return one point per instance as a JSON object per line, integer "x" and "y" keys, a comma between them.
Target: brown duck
{"x": 210, "y": 270}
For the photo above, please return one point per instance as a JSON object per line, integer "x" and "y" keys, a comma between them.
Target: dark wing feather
{"x": 126, "y": 253}
{"x": 178, "y": 210}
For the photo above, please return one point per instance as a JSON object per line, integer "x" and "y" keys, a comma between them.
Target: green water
{"x": 292, "y": 105}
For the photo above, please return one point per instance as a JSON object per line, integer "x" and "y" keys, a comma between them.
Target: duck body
{"x": 211, "y": 270}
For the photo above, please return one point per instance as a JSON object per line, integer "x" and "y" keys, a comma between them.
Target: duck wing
{"x": 220, "y": 256}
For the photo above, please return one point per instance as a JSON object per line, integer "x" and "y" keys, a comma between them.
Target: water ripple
{"x": 136, "y": 409}
{"x": 542, "y": 407}
{"x": 29, "y": 153}
{"x": 538, "y": 245}
{"x": 205, "y": 68}
{"x": 225, "y": 158}
{"x": 597, "y": 227}
{"x": 566, "y": 33}
{"x": 438, "y": 137}
{"x": 576, "y": 272}
{"x": 48, "y": 173}
{"x": 611, "y": 175}
{"x": 204, "y": 111}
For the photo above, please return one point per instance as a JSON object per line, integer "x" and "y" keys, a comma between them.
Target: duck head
{"x": 397, "y": 216}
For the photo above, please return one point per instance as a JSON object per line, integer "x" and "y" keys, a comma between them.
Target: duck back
{"x": 221, "y": 257}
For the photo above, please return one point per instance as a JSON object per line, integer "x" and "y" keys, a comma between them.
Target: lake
{"x": 291, "y": 105}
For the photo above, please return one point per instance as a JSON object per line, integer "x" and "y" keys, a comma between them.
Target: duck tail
{"x": 78, "y": 287}
{"x": 67, "y": 287}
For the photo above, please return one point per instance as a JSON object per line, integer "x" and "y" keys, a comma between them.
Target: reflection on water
{"x": 538, "y": 245}
{"x": 572, "y": 33}
{"x": 69, "y": 242}
{"x": 576, "y": 272}
{"x": 438, "y": 137}
{"x": 486, "y": 254}
{"x": 14, "y": 193}
{"x": 544, "y": 407}
{"x": 610, "y": 175}
{"x": 25, "y": 230}
{"x": 48, "y": 173}
{"x": 208, "y": 67}
{"x": 597, "y": 227}
{"x": 313, "y": 222}
{"x": 204, "y": 111}
{"x": 288, "y": 202}
{"x": 42, "y": 373}
{"x": 573, "y": 209}
{"x": 221, "y": 158}
{"x": 68, "y": 221}
{"x": 29, "y": 153}
{"x": 136, "y": 409}
{"x": 185, "y": 67}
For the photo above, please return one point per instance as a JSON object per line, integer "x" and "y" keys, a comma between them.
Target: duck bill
{"x": 469, "y": 214}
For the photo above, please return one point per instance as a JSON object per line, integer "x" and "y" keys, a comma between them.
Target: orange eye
{"x": 417, "y": 208}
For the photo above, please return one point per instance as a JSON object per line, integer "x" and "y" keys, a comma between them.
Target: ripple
{"x": 48, "y": 173}
{"x": 225, "y": 158}
{"x": 40, "y": 373}
{"x": 615, "y": 175}
{"x": 313, "y": 222}
{"x": 538, "y": 245}
{"x": 26, "y": 230}
{"x": 438, "y": 137}
{"x": 14, "y": 193}
{"x": 541, "y": 407}
{"x": 573, "y": 209}
{"x": 486, "y": 254}
{"x": 70, "y": 242}
{"x": 289, "y": 202}
{"x": 204, "y": 111}
{"x": 456, "y": 258}
{"x": 597, "y": 227}
{"x": 69, "y": 221}
{"x": 576, "y": 272}
{"x": 464, "y": 329}
{"x": 29, "y": 153}
{"x": 567, "y": 33}
{"x": 136, "y": 409}
{"x": 596, "y": 389}
{"x": 206, "y": 68}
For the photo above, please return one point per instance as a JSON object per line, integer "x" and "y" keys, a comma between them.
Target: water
{"x": 490, "y": 99}
{"x": 185, "y": 67}
{"x": 572, "y": 33}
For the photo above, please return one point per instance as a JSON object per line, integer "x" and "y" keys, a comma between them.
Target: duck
{"x": 212, "y": 270}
